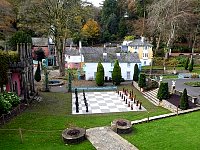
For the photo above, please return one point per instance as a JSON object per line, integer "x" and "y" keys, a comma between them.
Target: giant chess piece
{"x": 77, "y": 105}
{"x": 140, "y": 106}
{"x": 86, "y": 105}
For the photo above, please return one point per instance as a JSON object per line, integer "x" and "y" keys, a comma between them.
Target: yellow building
{"x": 144, "y": 50}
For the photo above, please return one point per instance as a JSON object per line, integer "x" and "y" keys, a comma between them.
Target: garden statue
{"x": 173, "y": 86}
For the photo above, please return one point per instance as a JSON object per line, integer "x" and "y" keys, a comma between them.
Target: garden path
{"x": 103, "y": 138}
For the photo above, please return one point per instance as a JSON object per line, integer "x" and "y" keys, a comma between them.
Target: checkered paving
{"x": 103, "y": 102}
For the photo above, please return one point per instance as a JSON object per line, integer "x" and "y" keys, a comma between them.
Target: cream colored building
{"x": 143, "y": 48}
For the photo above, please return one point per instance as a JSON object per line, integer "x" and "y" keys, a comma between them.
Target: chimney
{"x": 104, "y": 56}
{"x": 142, "y": 39}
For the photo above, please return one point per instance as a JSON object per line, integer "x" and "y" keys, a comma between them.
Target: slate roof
{"x": 40, "y": 41}
{"x": 95, "y": 54}
{"x": 138, "y": 42}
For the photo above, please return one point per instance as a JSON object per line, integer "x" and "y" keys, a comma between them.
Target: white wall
{"x": 90, "y": 68}
{"x": 148, "y": 62}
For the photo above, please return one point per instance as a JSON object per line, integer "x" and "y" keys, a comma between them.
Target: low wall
{"x": 168, "y": 105}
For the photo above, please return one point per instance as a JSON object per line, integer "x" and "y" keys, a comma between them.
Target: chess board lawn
{"x": 52, "y": 115}
{"x": 175, "y": 133}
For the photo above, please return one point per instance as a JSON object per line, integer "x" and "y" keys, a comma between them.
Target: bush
{"x": 12, "y": 98}
{"x": 151, "y": 84}
{"x": 163, "y": 91}
{"x": 5, "y": 106}
{"x": 100, "y": 75}
{"x": 195, "y": 75}
{"x": 136, "y": 73}
{"x": 38, "y": 73}
{"x": 184, "y": 100}
{"x": 142, "y": 80}
{"x": 116, "y": 74}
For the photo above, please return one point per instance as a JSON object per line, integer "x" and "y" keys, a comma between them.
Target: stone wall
{"x": 168, "y": 105}
{"x": 135, "y": 84}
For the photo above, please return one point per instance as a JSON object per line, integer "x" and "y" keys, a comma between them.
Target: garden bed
{"x": 193, "y": 84}
{"x": 175, "y": 100}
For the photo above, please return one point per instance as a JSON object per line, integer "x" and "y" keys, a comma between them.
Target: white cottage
{"x": 127, "y": 62}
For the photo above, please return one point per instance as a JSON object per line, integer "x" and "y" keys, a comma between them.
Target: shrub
{"x": 116, "y": 74}
{"x": 195, "y": 75}
{"x": 12, "y": 98}
{"x": 163, "y": 91}
{"x": 186, "y": 63}
{"x": 38, "y": 73}
{"x": 5, "y": 106}
{"x": 191, "y": 65}
{"x": 100, "y": 75}
{"x": 151, "y": 84}
{"x": 136, "y": 73}
{"x": 184, "y": 100}
{"x": 142, "y": 80}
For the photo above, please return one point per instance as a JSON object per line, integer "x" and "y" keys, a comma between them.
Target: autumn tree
{"x": 91, "y": 30}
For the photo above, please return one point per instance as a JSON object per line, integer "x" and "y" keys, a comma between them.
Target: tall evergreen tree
{"x": 136, "y": 73}
{"x": 100, "y": 75}
{"x": 186, "y": 63}
{"x": 142, "y": 80}
{"x": 184, "y": 100}
{"x": 116, "y": 74}
{"x": 163, "y": 91}
{"x": 191, "y": 65}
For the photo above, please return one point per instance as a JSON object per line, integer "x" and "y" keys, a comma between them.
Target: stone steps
{"x": 152, "y": 96}
{"x": 103, "y": 138}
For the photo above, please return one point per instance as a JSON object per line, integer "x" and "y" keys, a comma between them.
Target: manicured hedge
{"x": 163, "y": 92}
{"x": 100, "y": 75}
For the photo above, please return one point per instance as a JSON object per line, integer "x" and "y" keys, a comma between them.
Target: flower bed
{"x": 193, "y": 84}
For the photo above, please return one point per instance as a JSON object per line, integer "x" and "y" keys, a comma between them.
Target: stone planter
{"x": 73, "y": 135}
{"x": 121, "y": 126}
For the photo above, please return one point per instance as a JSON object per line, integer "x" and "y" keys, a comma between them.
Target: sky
{"x": 96, "y": 2}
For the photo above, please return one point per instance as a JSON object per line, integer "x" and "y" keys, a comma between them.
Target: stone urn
{"x": 121, "y": 126}
{"x": 73, "y": 135}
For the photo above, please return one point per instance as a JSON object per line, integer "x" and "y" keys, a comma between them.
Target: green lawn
{"x": 175, "y": 133}
{"x": 53, "y": 114}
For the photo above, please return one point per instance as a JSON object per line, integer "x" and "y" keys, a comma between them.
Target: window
{"x": 128, "y": 65}
{"x": 145, "y": 62}
{"x": 112, "y": 64}
{"x": 128, "y": 75}
{"x": 136, "y": 47}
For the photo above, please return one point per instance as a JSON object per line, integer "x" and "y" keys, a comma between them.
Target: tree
{"x": 91, "y": 30}
{"x": 142, "y": 80}
{"x": 116, "y": 74}
{"x": 167, "y": 18}
{"x": 100, "y": 75}
{"x": 55, "y": 18}
{"x": 136, "y": 73}
{"x": 17, "y": 38}
{"x": 122, "y": 28}
{"x": 38, "y": 73}
{"x": 163, "y": 91}
{"x": 191, "y": 65}
{"x": 186, "y": 63}
{"x": 184, "y": 100}
{"x": 40, "y": 54}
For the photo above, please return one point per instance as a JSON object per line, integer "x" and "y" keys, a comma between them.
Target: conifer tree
{"x": 184, "y": 100}
{"x": 191, "y": 65}
{"x": 163, "y": 92}
{"x": 136, "y": 73}
{"x": 142, "y": 80}
{"x": 116, "y": 74}
{"x": 186, "y": 63}
{"x": 100, "y": 75}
